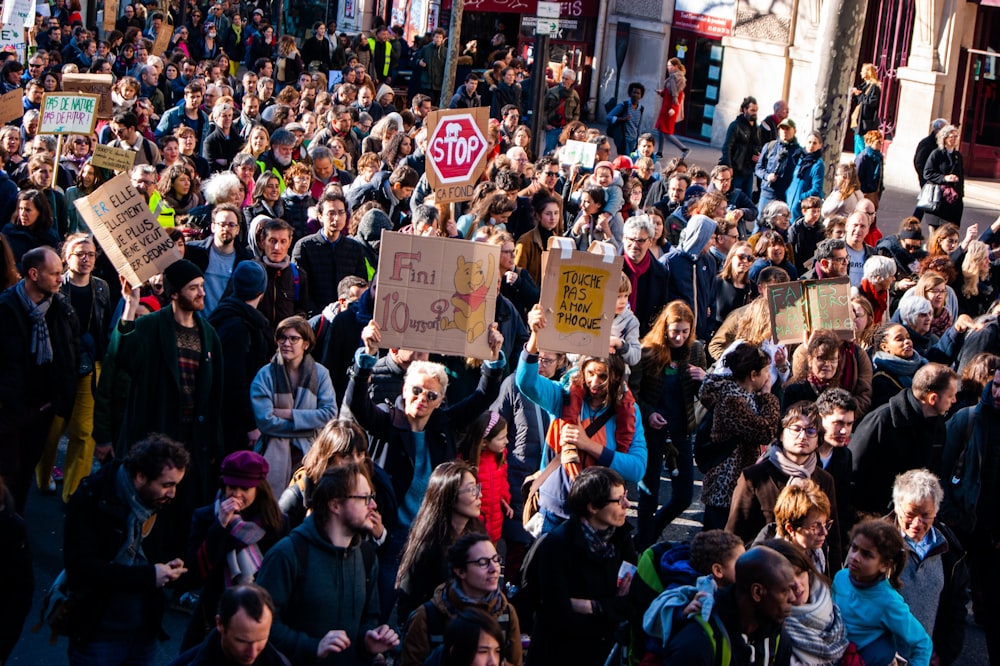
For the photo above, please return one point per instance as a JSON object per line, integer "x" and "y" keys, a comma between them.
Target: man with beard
{"x": 218, "y": 255}
{"x": 39, "y": 359}
{"x": 119, "y": 557}
{"x": 323, "y": 577}
{"x": 278, "y": 157}
{"x": 173, "y": 358}
{"x": 324, "y": 172}
{"x": 329, "y": 255}
{"x": 739, "y": 206}
{"x": 741, "y": 150}
{"x": 971, "y": 465}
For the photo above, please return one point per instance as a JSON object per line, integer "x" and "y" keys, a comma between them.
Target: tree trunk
{"x": 454, "y": 50}
{"x": 835, "y": 60}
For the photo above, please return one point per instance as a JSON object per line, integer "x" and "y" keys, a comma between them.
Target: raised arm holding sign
{"x": 798, "y": 307}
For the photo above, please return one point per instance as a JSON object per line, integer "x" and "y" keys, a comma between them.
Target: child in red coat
{"x": 485, "y": 447}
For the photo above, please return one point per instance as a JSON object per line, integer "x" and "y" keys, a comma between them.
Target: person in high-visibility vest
{"x": 144, "y": 178}
{"x": 385, "y": 56}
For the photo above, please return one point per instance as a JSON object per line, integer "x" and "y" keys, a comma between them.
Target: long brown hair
{"x": 8, "y": 267}
{"x": 654, "y": 343}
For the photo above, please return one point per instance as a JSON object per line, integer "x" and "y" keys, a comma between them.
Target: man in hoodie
{"x": 246, "y": 347}
{"x": 467, "y": 97}
{"x": 692, "y": 270}
{"x": 369, "y": 234}
{"x": 323, "y": 577}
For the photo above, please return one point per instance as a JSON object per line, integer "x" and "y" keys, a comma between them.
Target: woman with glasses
{"x": 474, "y": 580}
{"x": 792, "y": 456}
{"x": 292, "y": 398}
{"x": 76, "y": 149}
{"x": 417, "y": 432}
{"x": 826, "y": 361}
{"x": 735, "y": 288}
{"x": 771, "y": 250}
{"x": 576, "y": 571}
{"x": 933, "y": 286}
{"x": 449, "y": 510}
{"x": 802, "y": 516}
{"x": 91, "y": 300}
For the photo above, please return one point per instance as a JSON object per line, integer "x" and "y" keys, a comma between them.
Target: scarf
{"x": 776, "y": 456}
{"x": 243, "y": 561}
{"x": 807, "y": 162}
{"x": 819, "y": 385}
{"x": 490, "y": 600}
{"x": 277, "y": 450}
{"x": 848, "y": 365}
{"x": 816, "y": 629}
{"x": 138, "y": 524}
{"x": 279, "y": 265}
{"x": 901, "y": 369}
{"x": 941, "y": 323}
{"x": 879, "y": 300}
{"x": 598, "y": 541}
{"x": 634, "y": 272}
{"x": 41, "y": 343}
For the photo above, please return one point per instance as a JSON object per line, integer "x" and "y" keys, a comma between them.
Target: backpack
{"x": 527, "y": 600}
{"x": 716, "y": 633}
{"x": 437, "y": 623}
{"x": 709, "y": 453}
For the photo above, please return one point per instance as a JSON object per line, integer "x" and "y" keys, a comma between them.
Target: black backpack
{"x": 527, "y": 600}
{"x": 709, "y": 453}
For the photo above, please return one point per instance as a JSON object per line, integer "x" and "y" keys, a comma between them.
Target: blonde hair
{"x": 971, "y": 270}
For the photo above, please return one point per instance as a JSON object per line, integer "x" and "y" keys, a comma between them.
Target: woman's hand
{"x": 971, "y": 234}
{"x": 696, "y": 373}
{"x": 495, "y": 340}
{"x": 510, "y": 277}
{"x": 282, "y": 414}
{"x": 950, "y": 178}
{"x": 506, "y": 508}
{"x": 228, "y": 509}
{"x": 657, "y": 421}
{"x": 371, "y": 336}
{"x": 536, "y": 322}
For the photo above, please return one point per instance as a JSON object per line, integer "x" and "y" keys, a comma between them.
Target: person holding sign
{"x": 595, "y": 422}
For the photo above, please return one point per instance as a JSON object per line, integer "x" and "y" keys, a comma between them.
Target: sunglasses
{"x": 417, "y": 391}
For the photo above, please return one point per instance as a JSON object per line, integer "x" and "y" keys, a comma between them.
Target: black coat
{"x": 210, "y": 653}
{"x": 742, "y": 143}
{"x": 941, "y": 163}
{"x": 924, "y": 150}
{"x": 651, "y": 295}
{"x": 890, "y": 440}
{"x": 868, "y": 100}
{"x": 17, "y": 582}
{"x": 327, "y": 264}
{"x": 567, "y": 569}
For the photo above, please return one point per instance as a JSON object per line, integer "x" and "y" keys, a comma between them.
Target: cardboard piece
{"x": 436, "y": 294}
{"x": 162, "y": 39}
{"x": 92, "y": 84}
{"x": 122, "y": 223}
{"x": 457, "y": 151}
{"x": 579, "y": 152}
{"x": 579, "y": 291}
{"x": 18, "y": 12}
{"x": 68, "y": 113}
{"x": 799, "y": 307}
{"x": 11, "y": 106}
{"x": 12, "y": 37}
{"x": 116, "y": 159}
{"x": 110, "y": 15}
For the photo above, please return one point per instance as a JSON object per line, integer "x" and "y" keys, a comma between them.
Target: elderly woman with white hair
{"x": 879, "y": 274}
{"x": 381, "y": 132}
{"x": 916, "y": 313}
{"x": 935, "y": 578}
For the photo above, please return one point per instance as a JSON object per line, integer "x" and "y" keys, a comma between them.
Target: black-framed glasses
{"x": 417, "y": 391}
{"x": 623, "y": 500}
{"x": 485, "y": 562}
{"x": 290, "y": 339}
{"x": 368, "y": 499}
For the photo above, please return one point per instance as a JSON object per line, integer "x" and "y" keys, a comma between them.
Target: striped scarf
{"x": 242, "y": 562}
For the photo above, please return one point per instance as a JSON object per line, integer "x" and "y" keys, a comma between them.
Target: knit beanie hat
{"x": 249, "y": 280}
{"x": 179, "y": 273}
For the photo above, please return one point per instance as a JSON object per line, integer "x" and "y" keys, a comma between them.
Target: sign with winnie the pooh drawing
{"x": 436, "y": 295}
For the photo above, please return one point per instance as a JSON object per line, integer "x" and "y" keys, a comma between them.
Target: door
{"x": 702, "y": 58}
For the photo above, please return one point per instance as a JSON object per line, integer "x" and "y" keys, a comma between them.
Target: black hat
{"x": 249, "y": 280}
{"x": 179, "y": 273}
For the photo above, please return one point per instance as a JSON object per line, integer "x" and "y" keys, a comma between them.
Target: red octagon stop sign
{"x": 455, "y": 148}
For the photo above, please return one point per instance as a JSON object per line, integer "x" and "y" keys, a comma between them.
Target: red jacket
{"x": 493, "y": 476}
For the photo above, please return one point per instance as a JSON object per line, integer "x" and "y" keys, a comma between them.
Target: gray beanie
{"x": 249, "y": 280}
{"x": 371, "y": 225}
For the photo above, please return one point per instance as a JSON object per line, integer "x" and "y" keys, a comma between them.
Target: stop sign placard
{"x": 456, "y": 152}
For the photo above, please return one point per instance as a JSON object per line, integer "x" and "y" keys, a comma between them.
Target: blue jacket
{"x": 174, "y": 117}
{"x": 780, "y": 158}
{"x": 809, "y": 185}
{"x": 684, "y": 262}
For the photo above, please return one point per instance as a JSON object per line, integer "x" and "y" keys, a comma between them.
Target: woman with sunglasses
{"x": 792, "y": 456}
{"x": 417, "y": 432}
{"x": 735, "y": 288}
{"x": 475, "y": 575}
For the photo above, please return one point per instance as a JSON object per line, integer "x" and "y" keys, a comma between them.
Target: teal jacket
{"x": 326, "y": 590}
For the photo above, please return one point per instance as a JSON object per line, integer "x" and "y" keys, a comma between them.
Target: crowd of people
{"x": 242, "y": 445}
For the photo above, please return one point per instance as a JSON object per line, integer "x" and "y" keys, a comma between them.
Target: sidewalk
{"x": 982, "y": 197}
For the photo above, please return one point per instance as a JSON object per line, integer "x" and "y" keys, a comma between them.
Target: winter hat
{"x": 622, "y": 163}
{"x": 383, "y": 90}
{"x": 249, "y": 280}
{"x": 150, "y": 302}
{"x": 179, "y": 273}
{"x": 371, "y": 226}
{"x": 244, "y": 469}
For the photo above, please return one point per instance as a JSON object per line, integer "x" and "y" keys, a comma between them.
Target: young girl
{"x": 877, "y": 619}
{"x": 485, "y": 447}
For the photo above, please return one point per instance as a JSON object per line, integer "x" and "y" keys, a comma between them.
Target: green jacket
{"x": 147, "y": 351}
{"x": 571, "y": 111}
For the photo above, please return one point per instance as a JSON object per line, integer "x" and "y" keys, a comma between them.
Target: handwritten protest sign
{"x": 127, "y": 231}
{"x": 436, "y": 294}
{"x": 110, "y": 14}
{"x": 457, "y": 152}
{"x": 18, "y": 12}
{"x": 65, "y": 113}
{"x": 578, "y": 295}
{"x": 92, "y": 84}
{"x": 579, "y": 152}
{"x": 799, "y": 307}
{"x": 12, "y": 36}
{"x": 11, "y": 106}
{"x": 116, "y": 159}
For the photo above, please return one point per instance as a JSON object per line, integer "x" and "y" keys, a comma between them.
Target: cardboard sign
{"x": 802, "y": 306}
{"x": 11, "y": 106}
{"x": 68, "y": 113}
{"x": 110, "y": 14}
{"x": 128, "y": 233}
{"x": 12, "y": 39}
{"x": 579, "y": 291}
{"x": 18, "y": 12}
{"x": 436, "y": 294}
{"x": 162, "y": 39}
{"x": 92, "y": 84}
{"x": 116, "y": 159}
{"x": 457, "y": 152}
{"x": 578, "y": 152}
